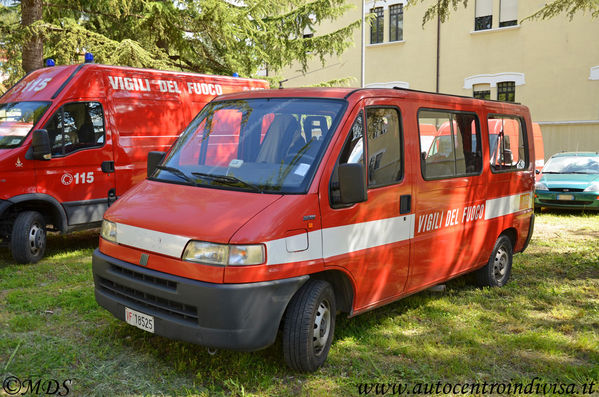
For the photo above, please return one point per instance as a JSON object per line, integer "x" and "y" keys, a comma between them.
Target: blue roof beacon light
{"x": 50, "y": 62}
{"x": 235, "y": 74}
{"x": 89, "y": 57}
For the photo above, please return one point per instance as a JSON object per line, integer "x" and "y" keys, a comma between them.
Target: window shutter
{"x": 508, "y": 10}
{"x": 484, "y": 8}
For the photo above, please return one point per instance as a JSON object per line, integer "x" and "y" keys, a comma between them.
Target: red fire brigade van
{"x": 74, "y": 138}
{"x": 324, "y": 202}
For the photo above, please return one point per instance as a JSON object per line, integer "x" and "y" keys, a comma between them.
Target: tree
{"x": 552, "y": 9}
{"x": 206, "y": 36}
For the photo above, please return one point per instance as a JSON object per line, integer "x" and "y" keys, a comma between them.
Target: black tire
{"x": 28, "y": 238}
{"x": 498, "y": 269}
{"x": 311, "y": 310}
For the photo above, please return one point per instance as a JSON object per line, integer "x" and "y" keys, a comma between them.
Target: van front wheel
{"x": 309, "y": 325}
{"x": 28, "y": 238}
{"x": 499, "y": 267}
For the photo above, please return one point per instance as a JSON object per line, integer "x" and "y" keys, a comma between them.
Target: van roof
{"x": 359, "y": 93}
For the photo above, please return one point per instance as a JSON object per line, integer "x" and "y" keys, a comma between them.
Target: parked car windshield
{"x": 572, "y": 165}
{"x": 263, "y": 145}
{"x": 17, "y": 119}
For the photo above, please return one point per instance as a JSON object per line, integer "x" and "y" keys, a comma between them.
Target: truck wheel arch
{"x": 47, "y": 205}
{"x": 342, "y": 287}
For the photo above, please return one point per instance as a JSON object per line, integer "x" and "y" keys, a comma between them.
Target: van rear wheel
{"x": 28, "y": 238}
{"x": 309, "y": 325}
{"x": 497, "y": 271}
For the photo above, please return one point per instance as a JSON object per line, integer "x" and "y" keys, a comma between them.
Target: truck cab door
{"x": 80, "y": 174}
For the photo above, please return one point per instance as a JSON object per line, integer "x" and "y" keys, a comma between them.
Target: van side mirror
{"x": 537, "y": 172}
{"x": 154, "y": 158}
{"x": 352, "y": 187}
{"x": 41, "y": 145}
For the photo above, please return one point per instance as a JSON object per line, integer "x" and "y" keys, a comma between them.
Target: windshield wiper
{"x": 227, "y": 180}
{"x": 178, "y": 172}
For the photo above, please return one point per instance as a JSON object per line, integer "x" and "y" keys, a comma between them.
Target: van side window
{"x": 508, "y": 144}
{"x": 352, "y": 153}
{"x": 384, "y": 146}
{"x": 455, "y": 149}
{"x": 76, "y": 126}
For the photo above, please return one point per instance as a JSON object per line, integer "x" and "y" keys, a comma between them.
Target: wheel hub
{"x": 36, "y": 238}
{"x": 321, "y": 326}
{"x": 500, "y": 263}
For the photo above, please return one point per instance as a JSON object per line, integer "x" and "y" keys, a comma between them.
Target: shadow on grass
{"x": 59, "y": 245}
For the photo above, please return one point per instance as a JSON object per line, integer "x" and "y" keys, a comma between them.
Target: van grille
{"x": 179, "y": 310}
{"x": 159, "y": 282}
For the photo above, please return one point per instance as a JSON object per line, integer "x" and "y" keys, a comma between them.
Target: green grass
{"x": 544, "y": 324}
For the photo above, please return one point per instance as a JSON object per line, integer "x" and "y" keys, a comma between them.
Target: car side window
{"x": 76, "y": 126}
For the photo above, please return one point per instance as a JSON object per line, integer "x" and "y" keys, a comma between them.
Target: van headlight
{"x": 222, "y": 254}
{"x": 593, "y": 187}
{"x": 541, "y": 186}
{"x": 108, "y": 231}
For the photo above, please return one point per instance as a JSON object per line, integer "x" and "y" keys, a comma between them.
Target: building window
{"x": 396, "y": 22}
{"x": 484, "y": 15}
{"x": 376, "y": 26}
{"x": 482, "y": 94}
{"x": 506, "y": 91}
{"x": 481, "y": 91}
{"x": 508, "y": 13}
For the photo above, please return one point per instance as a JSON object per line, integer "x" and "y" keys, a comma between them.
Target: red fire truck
{"x": 324, "y": 202}
{"x": 74, "y": 138}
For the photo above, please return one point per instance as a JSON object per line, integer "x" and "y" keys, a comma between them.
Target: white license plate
{"x": 140, "y": 320}
{"x": 565, "y": 197}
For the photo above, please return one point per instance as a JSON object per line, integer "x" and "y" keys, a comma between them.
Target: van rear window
{"x": 508, "y": 144}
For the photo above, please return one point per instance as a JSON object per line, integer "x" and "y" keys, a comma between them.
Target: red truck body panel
{"x": 128, "y": 111}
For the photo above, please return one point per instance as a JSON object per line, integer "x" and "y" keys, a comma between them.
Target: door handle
{"x": 405, "y": 204}
{"x": 108, "y": 166}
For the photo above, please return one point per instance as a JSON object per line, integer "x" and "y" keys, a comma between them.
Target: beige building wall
{"x": 554, "y": 64}
{"x": 346, "y": 66}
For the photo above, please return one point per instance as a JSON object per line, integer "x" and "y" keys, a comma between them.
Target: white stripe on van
{"x": 337, "y": 240}
{"x": 359, "y": 236}
{"x": 341, "y": 240}
{"x": 508, "y": 205}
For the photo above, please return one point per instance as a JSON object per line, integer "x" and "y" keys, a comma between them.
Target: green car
{"x": 570, "y": 181}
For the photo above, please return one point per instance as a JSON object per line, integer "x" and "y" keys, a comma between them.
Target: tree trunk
{"x": 31, "y": 11}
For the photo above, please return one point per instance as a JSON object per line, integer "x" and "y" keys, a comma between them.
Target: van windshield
{"x": 262, "y": 145}
{"x": 17, "y": 119}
